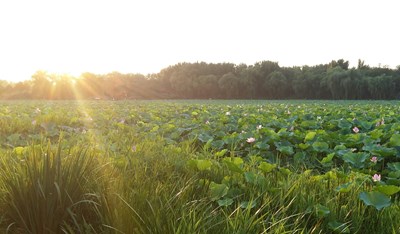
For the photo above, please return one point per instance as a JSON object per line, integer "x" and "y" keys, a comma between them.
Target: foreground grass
{"x": 157, "y": 188}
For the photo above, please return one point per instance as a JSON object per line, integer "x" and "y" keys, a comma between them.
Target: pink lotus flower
{"x": 376, "y": 178}
{"x": 133, "y": 148}
{"x": 374, "y": 159}
{"x": 381, "y": 122}
{"x": 207, "y": 122}
{"x": 356, "y": 130}
{"x": 251, "y": 140}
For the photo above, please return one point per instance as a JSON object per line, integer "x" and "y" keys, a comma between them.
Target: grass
{"x": 55, "y": 190}
{"x": 47, "y": 190}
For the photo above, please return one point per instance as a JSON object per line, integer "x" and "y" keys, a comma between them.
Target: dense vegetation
{"x": 263, "y": 80}
{"x": 199, "y": 167}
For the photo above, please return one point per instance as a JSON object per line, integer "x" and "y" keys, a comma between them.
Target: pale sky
{"x": 74, "y": 36}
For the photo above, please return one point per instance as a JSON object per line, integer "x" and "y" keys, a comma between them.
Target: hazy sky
{"x": 145, "y": 36}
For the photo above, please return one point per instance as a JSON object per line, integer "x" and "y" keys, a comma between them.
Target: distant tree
{"x": 207, "y": 86}
{"x": 264, "y": 79}
{"x": 341, "y": 63}
{"x": 361, "y": 65}
{"x": 316, "y": 84}
{"x": 260, "y": 72}
{"x": 229, "y": 84}
{"x": 41, "y": 85}
{"x": 182, "y": 83}
{"x": 63, "y": 87}
{"x": 3, "y": 88}
{"x": 247, "y": 81}
{"x": 89, "y": 86}
{"x": 20, "y": 90}
{"x": 276, "y": 85}
{"x": 382, "y": 87}
{"x": 335, "y": 79}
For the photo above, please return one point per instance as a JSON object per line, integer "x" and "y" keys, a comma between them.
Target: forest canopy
{"x": 200, "y": 80}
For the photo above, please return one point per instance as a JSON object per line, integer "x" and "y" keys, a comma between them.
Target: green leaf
{"x": 303, "y": 146}
{"x": 234, "y": 167}
{"x": 393, "y": 181}
{"x": 340, "y": 147}
{"x": 238, "y": 161}
{"x": 225, "y": 202}
{"x": 328, "y": 158}
{"x": 309, "y": 124}
{"x": 395, "y": 140}
{"x": 19, "y": 150}
{"x": 310, "y": 136}
{"x": 192, "y": 163}
{"x": 394, "y": 174}
{"x": 218, "y": 144}
{"x": 375, "y": 199}
{"x": 221, "y": 153}
{"x": 266, "y": 167}
{"x": 380, "y": 150}
{"x": 322, "y": 211}
{"x": 344, "y": 124}
{"x": 344, "y": 188}
{"x": 203, "y": 165}
{"x": 250, "y": 177}
{"x": 262, "y": 145}
{"x": 388, "y": 189}
{"x": 207, "y": 145}
{"x": 285, "y": 171}
{"x": 204, "y": 137}
{"x": 366, "y": 125}
{"x": 320, "y": 146}
{"x": 287, "y": 150}
{"x": 217, "y": 191}
{"x": 394, "y": 166}
{"x": 356, "y": 159}
{"x": 354, "y": 139}
{"x": 376, "y": 134}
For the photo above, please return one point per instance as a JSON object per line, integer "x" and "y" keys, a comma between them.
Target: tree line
{"x": 262, "y": 80}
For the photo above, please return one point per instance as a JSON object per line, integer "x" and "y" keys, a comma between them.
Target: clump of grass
{"x": 48, "y": 191}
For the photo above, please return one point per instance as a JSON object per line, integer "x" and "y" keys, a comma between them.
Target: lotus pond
{"x": 200, "y": 167}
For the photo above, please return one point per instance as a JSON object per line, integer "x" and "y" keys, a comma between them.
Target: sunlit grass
{"x": 49, "y": 190}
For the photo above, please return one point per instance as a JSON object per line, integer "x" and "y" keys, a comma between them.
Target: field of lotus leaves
{"x": 200, "y": 167}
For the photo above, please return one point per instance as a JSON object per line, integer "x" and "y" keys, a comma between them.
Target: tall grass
{"x": 155, "y": 190}
{"x": 47, "y": 191}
